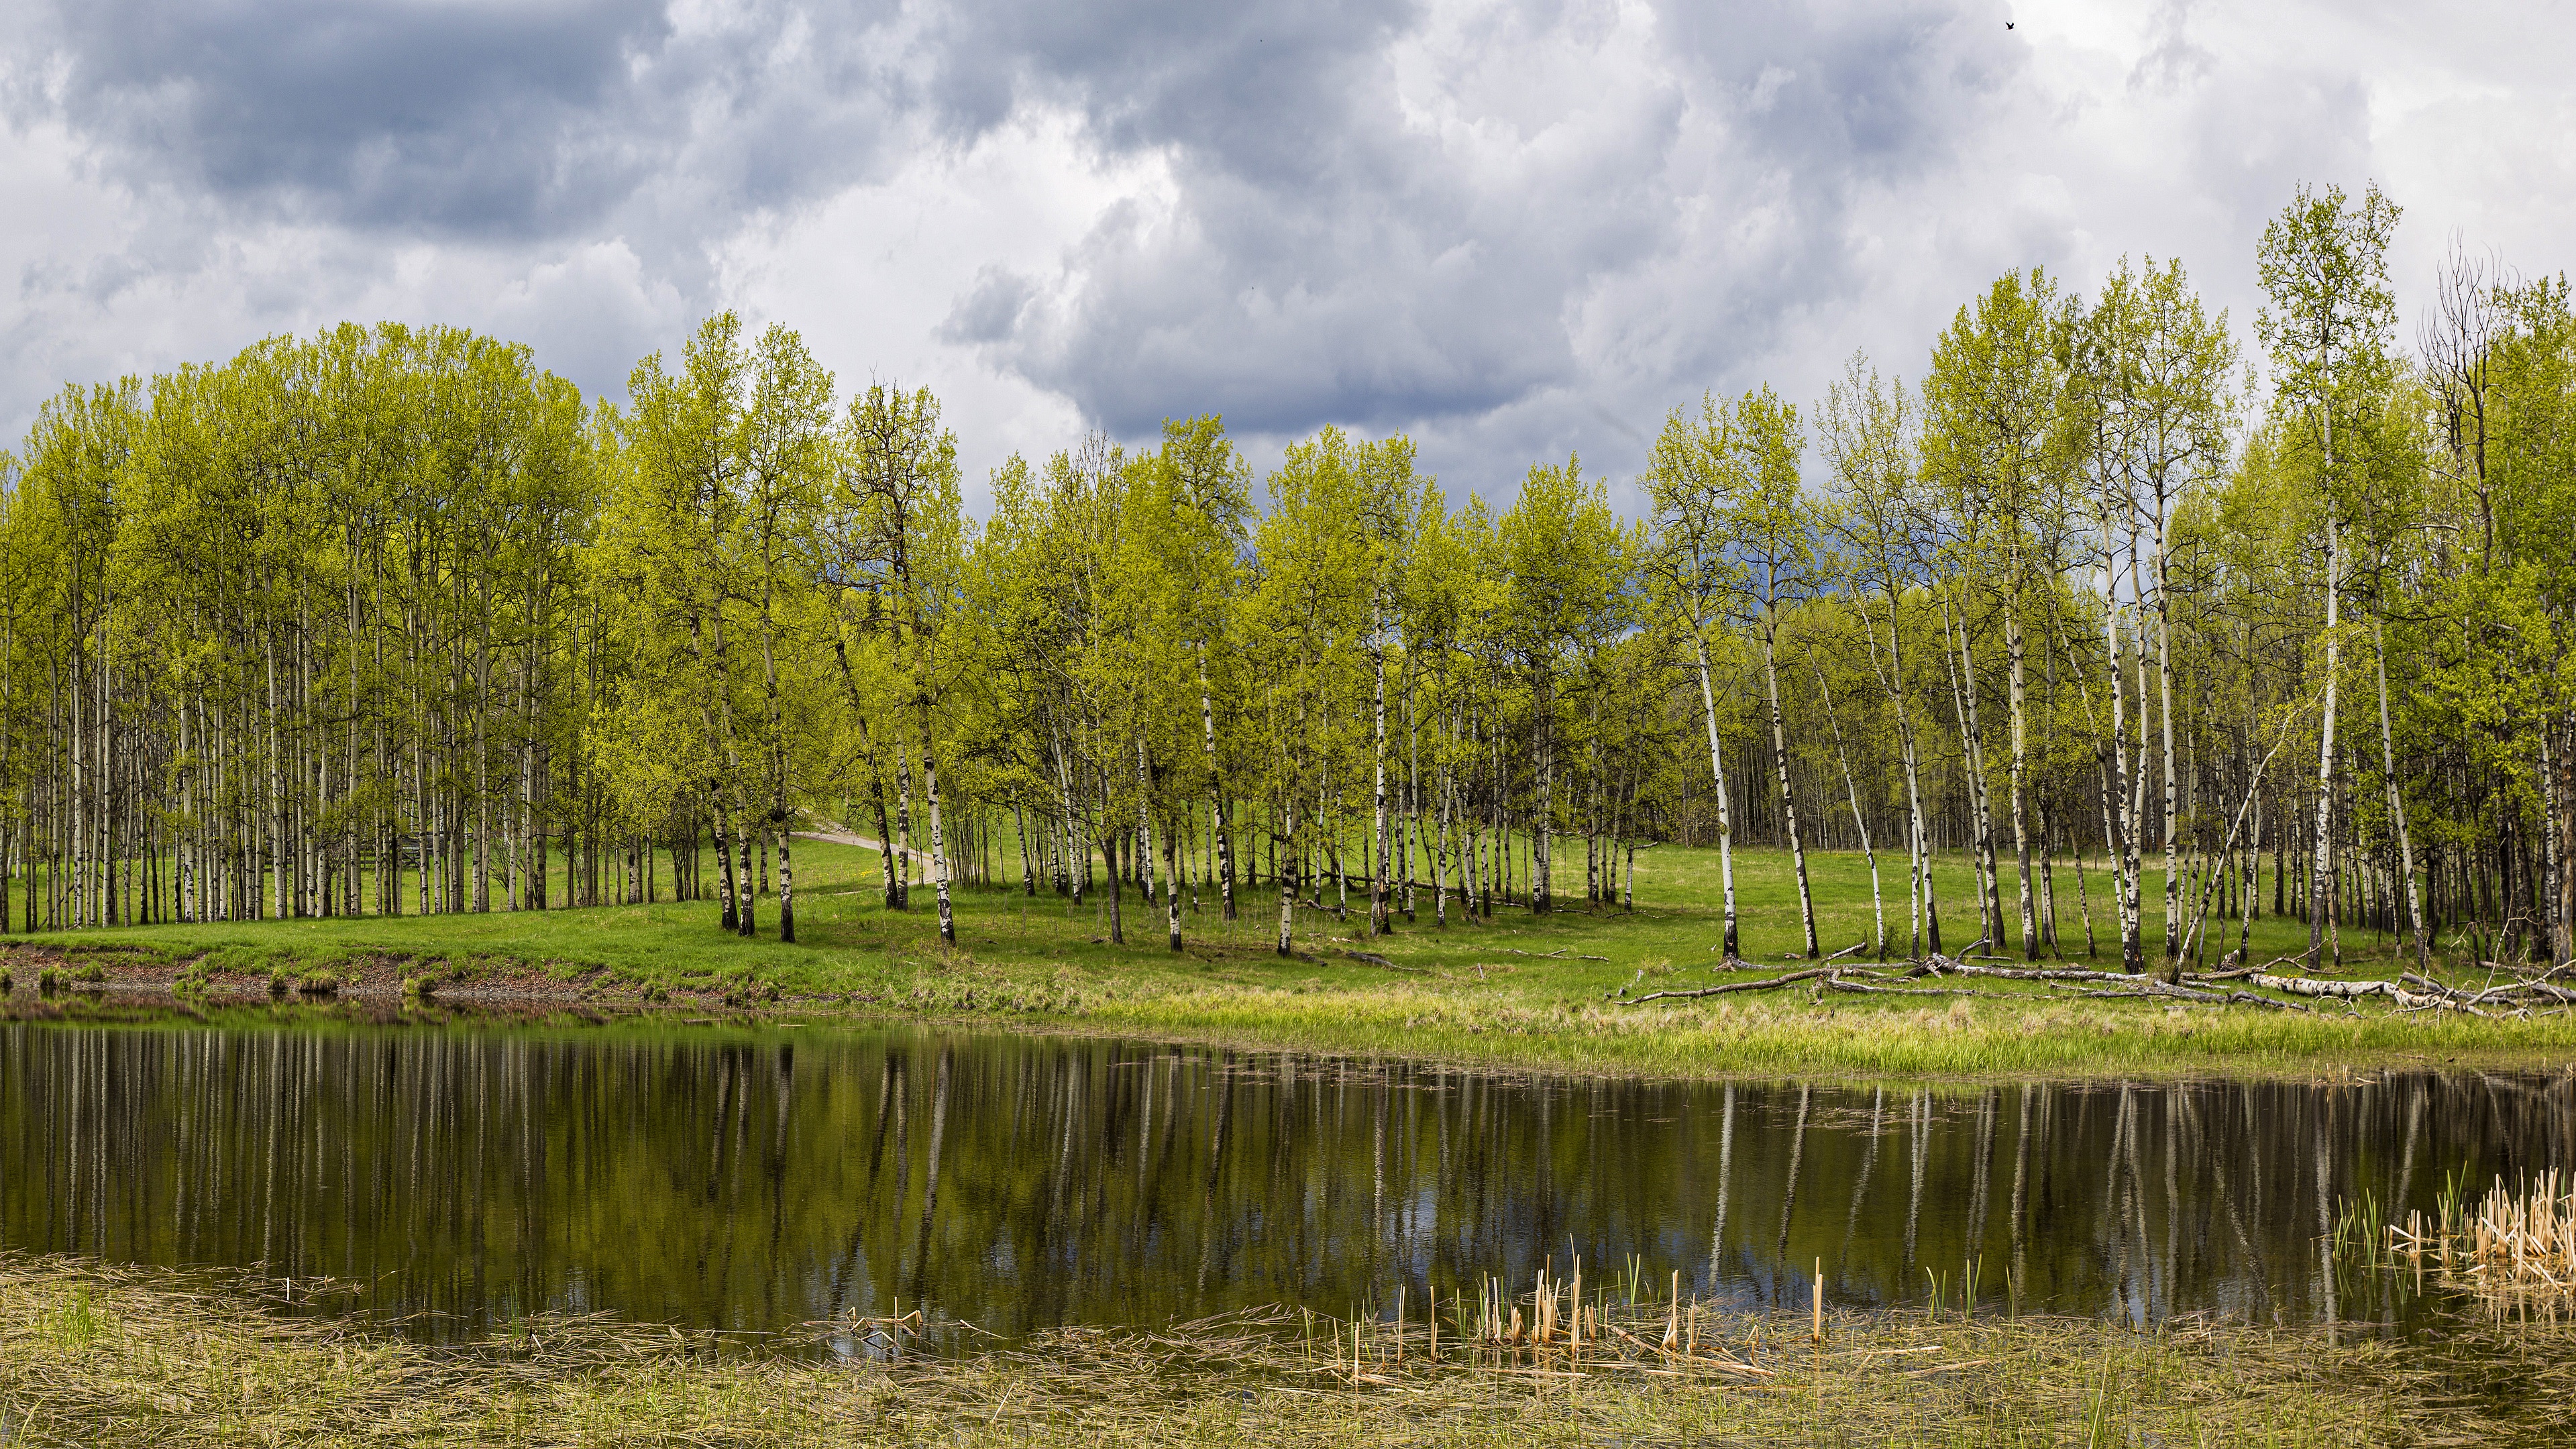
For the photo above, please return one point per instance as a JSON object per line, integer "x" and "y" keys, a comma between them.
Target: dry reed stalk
{"x": 2515, "y": 1247}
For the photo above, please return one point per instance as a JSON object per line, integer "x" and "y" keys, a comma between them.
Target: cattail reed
{"x": 2515, "y": 1246}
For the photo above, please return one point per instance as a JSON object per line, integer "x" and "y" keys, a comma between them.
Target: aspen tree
{"x": 1696, "y": 581}
{"x": 2161, "y": 411}
{"x": 2326, "y": 320}
{"x": 1566, "y": 580}
{"x": 1867, "y": 440}
{"x": 1769, "y": 522}
{"x": 904, "y": 472}
{"x": 1990, "y": 405}
{"x": 1307, "y": 615}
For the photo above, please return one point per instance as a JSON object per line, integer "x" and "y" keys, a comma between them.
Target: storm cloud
{"x": 1514, "y": 230}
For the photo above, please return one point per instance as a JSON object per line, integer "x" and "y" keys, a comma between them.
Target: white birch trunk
{"x": 2164, "y": 697}
{"x": 1780, "y": 758}
{"x": 1216, "y": 795}
{"x": 1725, "y": 821}
{"x": 1380, "y": 923}
{"x": 2321, "y": 874}
{"x": 1860, "y": 819}
{"x": 2020, "y": 758}
{"x": 938, "y": 844}
{"x": 2397, "y": 813}
{"x": 2123, "y": 842}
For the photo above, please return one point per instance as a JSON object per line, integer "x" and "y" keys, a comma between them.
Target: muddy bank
{"x": 37, "y": 972}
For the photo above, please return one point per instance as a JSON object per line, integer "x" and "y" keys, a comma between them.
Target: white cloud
{"x": 1513, "y": 230}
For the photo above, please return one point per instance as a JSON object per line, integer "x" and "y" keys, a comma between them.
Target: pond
{"x": 760, "y": 1178}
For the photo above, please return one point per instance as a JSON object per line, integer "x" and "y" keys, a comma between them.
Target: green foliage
{"x": 389, "y": 621}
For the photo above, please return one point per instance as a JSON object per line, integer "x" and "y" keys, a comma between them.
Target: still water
{"x": 765, "y": 1178}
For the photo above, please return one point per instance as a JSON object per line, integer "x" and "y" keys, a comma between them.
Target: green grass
{"x": 1512, "y": 993}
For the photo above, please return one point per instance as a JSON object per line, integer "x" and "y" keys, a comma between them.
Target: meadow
{"x": 1520, "y": 990}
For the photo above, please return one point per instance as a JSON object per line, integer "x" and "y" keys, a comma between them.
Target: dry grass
{"x": 2516, "y": 1249}
{"x": 96, "y": 1355}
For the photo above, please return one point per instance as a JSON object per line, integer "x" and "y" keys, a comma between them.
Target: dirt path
{"x": 842, "y": 837}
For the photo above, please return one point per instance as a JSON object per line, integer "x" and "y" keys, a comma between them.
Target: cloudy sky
{"x": 1510, "y": 230}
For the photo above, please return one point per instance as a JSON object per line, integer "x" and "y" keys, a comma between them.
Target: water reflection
{"x": 758, "y": 1179}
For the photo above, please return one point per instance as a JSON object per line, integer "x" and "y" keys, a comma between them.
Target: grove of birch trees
{"x": 2155, "y": 619}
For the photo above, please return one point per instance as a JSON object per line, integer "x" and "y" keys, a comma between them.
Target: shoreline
{"x": 2036, "y": 1036}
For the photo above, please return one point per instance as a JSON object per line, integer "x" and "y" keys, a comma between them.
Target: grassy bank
{"x": 98, "y": 1355}
{"x": 1520, "y": 991}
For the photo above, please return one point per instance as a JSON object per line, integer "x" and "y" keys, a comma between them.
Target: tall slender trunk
{"x": 1076, "y": 850}
{"x": 2405, "y": 841}
{"x": 1028, "y": 865}
{"x": 1440, "y": 853}
{"x": 746, "y": 889}
{"x": 2321, "y": 874}
{"x": 2164, "y": 714}
{"x": 1961, "y": 665}
{"x": 276, "y": 789}
{"x": 482, "y": 758}
{"x": 1173, "y": 868}
{"x": 1918, "y": 840}
{"x": 786, "y": 889}
{"x": 2562, "y": 905}
{"x": 1380, "y": 921}
{"x": 1283, "y": 855}
{"x": 1717, "y": 769}
{"x": 876, "y": 775}
{"x": 724, "y": 860}
{"x": 2020, "y": 759}
{"x": 938, "y": 846}
{"x": 1780, "y": 758}
{"x": 2119, "y": 827}
{"x": 1109, "y": 834}
{"x": 1851, "y": 787}
{"x": 1410, "y": 832}
{"x": 1543, "y": 822}
{"x": 902, "y": 823}
{"x": 1145, "y": 836}
{"x": 1216, "y": 793}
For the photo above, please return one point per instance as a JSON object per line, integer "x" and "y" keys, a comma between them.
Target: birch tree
{"x": 1697, "y": 581}
{"x": 2326, "y": 321}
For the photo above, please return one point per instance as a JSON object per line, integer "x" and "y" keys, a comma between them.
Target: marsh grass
{"x": 1518, "y": 991}
{"x": 97, "y": 1355}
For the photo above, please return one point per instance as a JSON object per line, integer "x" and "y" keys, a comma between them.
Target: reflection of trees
{"x": 745, "y": 1179}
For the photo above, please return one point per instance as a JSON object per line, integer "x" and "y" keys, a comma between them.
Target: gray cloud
{"x": 1502, "y": 227}
{"x": 479, "y": 120}
{"x": 1330, "y": 256}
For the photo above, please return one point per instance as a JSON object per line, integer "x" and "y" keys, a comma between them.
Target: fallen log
{"x": 2355, "y": 990}
{"x": 2313, "y": 986}
{"x": 1313, "y": 959}
{"x": 2148, "y": 986}
{"x": 1839, "y": 984}
{"x": 2520, "y": 986}
{"x": 1943, "y": 965}
{"x": 2124, "y": 986}
{"x": 1792, "y": 978}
